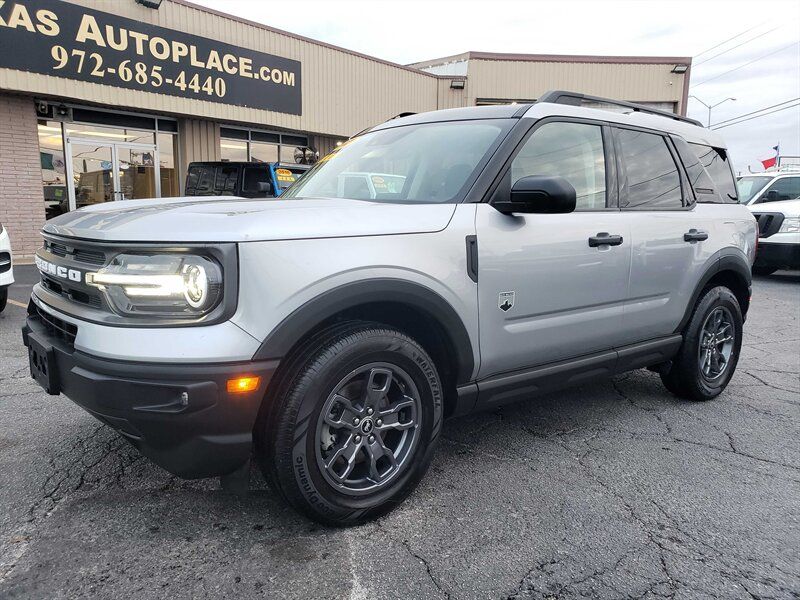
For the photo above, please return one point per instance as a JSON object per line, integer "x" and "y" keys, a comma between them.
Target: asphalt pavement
{"x": 614, "y": 490}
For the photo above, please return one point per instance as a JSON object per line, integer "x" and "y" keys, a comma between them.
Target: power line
{"x": 755, "y": 111}
{"x": 735, "y": 47}
{"x": 757, "y": 116}
{"x": 729, "y": 40}
{"x": 744, "y": 65}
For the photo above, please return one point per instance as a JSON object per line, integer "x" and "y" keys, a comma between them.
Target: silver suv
{"x": 435, "y": 265}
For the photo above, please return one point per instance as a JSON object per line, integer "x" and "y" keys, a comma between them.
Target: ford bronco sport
{"x": 435, "y": 265}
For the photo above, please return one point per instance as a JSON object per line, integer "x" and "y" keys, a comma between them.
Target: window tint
{"x": 199, "y": 181}
{"x": 652, "y": 176}
{"x": 715, "y": 161}
{"x": 225, "y": 182}
{"x": 698, "y": 178}
{"x": 573, "y": 151}
{"x": 253, "y": 177}
{"x": 786, "y": 188}
{"x": 748, "y": 187}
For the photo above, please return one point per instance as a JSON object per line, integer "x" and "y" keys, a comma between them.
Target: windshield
{"x": 748, "y": 187}
{"x": 425, "y": 163}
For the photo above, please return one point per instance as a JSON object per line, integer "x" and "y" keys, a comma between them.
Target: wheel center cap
{"x": 367, "y": 426}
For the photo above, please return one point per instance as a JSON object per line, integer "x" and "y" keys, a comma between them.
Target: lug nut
{"x": 370, "y": 411}
{"x": 356, "y": 421}
{"x": 378, "y": 423}
{"x": 358, "y": 439}
{"x": 371, "y": 439}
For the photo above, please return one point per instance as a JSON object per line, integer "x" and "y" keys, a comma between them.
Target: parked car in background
{"x": 771, "y": 186}
{"x": 6, "y": 267}
{"x": 436, "y": 265}
{"x": 243, "y": 179}
{"x": 778, "y": 236}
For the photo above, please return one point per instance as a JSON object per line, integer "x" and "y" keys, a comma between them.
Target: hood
{"x": 790, "y": 207}
{"x": 227, "y": 219}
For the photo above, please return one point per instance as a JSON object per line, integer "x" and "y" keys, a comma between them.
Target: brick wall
{"x": 21, "y": 196}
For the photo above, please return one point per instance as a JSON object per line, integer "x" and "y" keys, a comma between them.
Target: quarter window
{"x": 715, "y": 161}
{"x": 573, "y": 151}
{"x": 652, "y": 177}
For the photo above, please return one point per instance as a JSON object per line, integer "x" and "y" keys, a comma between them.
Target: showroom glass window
{"x": 652, "y": 176}
{"x": 573, "y": 151}
{"x": 54, "y": 168}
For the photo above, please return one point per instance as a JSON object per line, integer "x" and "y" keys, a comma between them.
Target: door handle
{"x": 605, "y": 239}
{"x": 695, "y": 235}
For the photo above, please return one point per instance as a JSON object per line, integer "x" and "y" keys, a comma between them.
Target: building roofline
{"x": 564, "y": 58}
{"x": 297, "y": 36}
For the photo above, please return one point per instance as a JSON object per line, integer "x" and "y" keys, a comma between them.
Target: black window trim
{"x": 687, "y": 201}
{"x": 609, "y": 151}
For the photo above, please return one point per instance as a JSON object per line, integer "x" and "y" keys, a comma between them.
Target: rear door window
{"x": 651, "y": 180}
{"x": 716, "y": 163}
{"x": 225, "y": 181}
{"x": 200, "y": 180}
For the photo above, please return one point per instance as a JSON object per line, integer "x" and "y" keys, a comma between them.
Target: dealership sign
{"x": 66, "y": 40}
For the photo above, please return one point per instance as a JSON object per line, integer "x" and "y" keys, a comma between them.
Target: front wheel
{"x": 353, "y": 423}
{"x": 710, "y": 351}
{"x": 764, "y": 271}
{"x": 3, "y": 298}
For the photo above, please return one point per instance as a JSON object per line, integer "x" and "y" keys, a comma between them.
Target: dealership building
{"x": 101, "y": 100}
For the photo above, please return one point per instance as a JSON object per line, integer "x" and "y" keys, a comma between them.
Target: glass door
{"x": 107, "y": 171}
{"x": 90, "y": 174}
{"x": 137, "y": 172}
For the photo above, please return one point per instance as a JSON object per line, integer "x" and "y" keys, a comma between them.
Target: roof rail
{"x": 576, "y": 99}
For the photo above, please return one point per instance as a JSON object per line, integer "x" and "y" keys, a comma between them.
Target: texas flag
{"x": 771, "y": 162}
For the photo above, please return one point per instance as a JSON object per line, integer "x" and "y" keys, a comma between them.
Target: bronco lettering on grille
{"x": 49, "y": 268}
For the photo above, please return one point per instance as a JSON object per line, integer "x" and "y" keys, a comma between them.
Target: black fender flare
{"x": 310, "y": 315}
{"x": 727, "y": 259}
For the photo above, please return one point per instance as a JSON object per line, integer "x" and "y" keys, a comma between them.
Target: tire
{"x": 764, "y": 271}
{"x": 687, "y": 377}
{"x": 325, "y": 383}
{"x": 3, "y": 298}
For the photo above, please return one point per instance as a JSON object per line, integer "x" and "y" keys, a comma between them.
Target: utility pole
{"x": 709, "y": 107}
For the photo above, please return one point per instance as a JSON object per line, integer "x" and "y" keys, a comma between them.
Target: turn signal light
{"x": 241, "y": 385}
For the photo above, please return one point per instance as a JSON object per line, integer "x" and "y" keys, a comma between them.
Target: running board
{"x": 522, "y": 384}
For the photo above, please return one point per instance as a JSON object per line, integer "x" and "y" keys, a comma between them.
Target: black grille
{"x": 76, "y": 253}
{"x": 56, "y": 327}
{"x": 768, "y": 223}
{"x": 5, "y": 262}
{"x": 82, "y": 297}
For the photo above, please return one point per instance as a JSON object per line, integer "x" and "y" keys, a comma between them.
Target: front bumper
{"x": 778, "y": 255}
{"x": 180, "y": 416}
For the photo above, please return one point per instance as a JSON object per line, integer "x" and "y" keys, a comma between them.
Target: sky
{"x": 747, "y": 50}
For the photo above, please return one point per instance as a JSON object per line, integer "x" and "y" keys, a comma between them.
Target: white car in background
{"x": 778, "y": 235}
{"x": 772, "y": 186}
{"x": 6, "y": 272}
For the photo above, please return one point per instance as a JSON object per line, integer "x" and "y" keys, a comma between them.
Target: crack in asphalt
{"x": 428, "y": 569}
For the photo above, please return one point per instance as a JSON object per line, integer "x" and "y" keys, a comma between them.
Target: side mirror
{"x": 538, "y": 194}
{"x": 772, "y": 196}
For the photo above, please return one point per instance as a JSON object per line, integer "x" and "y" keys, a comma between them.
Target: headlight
{"x": 790, "y": 225}
{"x": 166, "y": 285}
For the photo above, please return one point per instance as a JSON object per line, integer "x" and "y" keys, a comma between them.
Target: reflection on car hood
{"x": 226, "y": 219}
{"x": 787, "y": 207}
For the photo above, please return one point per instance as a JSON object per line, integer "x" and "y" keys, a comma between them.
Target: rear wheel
{"x": 353, "y": 423}
{"x": 712, "y": 341}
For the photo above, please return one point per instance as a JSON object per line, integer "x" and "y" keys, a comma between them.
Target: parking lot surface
{"x": 614, "y": 490}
